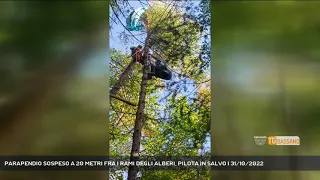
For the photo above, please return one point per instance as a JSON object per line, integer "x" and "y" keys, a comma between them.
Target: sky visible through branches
{"x": 116, "y": 43}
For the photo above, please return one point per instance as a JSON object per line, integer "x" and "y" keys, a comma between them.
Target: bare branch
{"x": 123, "y": 100}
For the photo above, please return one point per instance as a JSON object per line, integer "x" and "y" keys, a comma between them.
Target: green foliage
{"x": 177, "y": 41}
{"x": 176, "y": 121}
{"x": 172, "y": 175}
{"x": 184, "y": 133}
{"x": 122, "y": 116}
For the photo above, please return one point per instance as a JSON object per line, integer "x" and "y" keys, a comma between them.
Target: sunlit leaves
{"x": 177, "y": 114}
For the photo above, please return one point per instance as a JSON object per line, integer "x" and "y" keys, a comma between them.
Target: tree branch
{"x": 123, "y": 100}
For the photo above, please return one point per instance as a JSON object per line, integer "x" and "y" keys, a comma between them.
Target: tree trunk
{"x": 115, "y": 89}
{"x": 133, "y": 170}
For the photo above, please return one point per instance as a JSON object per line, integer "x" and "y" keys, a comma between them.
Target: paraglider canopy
{"x": 134, "y": 21}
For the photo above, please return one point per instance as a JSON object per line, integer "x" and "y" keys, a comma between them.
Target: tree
{"x": 153, "y": 120}
{"x": 124, "y": 75}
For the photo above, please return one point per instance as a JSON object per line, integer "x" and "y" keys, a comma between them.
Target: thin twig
{"x": 123, "y": 100}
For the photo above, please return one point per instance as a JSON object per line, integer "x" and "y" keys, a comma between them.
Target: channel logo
{"x": 283, "y": 140}
{"x": 260, "y": 140}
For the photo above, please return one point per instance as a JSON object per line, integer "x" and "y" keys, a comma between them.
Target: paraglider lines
{"x": 112, "y": 7}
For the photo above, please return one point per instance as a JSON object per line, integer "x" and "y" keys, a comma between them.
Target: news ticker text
{"x": 246, "y": 163}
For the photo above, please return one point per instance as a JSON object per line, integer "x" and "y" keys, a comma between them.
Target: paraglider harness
{"x": 158, "y": 69}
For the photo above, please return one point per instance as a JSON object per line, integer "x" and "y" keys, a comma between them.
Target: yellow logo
{"x": 283, "y": 140}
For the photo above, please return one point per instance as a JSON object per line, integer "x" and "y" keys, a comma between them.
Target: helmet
{"x": 140, "y": 46}
{"x": 132, "y": 47}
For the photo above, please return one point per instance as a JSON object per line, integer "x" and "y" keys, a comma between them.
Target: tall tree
{"x": 178, "y": 41}
{"x": 124, "y": 75}
{"x": 133, "y": 170}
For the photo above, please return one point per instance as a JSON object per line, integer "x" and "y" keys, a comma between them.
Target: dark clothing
{"x": 160, "y": 63}
{"x": 133, "y": 54}
{"x": 160, "y": 70}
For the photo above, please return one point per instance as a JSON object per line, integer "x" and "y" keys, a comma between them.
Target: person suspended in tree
{"x": 136, "y": 53}
{"x": 160, "y": 69}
